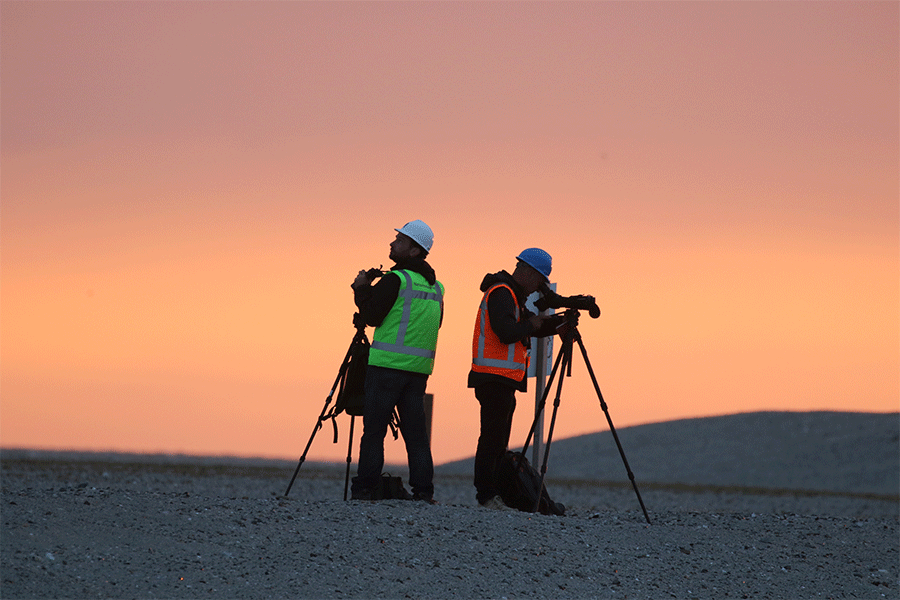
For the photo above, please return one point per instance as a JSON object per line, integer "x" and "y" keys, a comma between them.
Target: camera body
{"x": 550, "y": 299}
{"x": 374, "y": 273}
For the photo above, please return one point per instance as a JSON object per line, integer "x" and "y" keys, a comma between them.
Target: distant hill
{"x": 823, "y": 451}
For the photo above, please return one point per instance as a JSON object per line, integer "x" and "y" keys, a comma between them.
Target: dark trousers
{"x": 498, "y": 403}
{"x": 386, "y": 389}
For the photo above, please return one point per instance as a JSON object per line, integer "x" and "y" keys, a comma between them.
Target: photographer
{"x": 500, "y": 348}
{"x": 406, "y": 307}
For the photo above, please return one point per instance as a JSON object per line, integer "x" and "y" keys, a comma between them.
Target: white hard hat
{"x": 419, "y": 232}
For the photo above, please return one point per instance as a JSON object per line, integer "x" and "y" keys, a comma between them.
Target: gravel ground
{"x": 119, "y": 526}
{"x": 146, "y": 530}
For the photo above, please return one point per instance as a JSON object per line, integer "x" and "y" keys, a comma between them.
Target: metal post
{"x": 428, "y": 402}
{"x": 540, "y": 375}
{"x": 542, "y": 349}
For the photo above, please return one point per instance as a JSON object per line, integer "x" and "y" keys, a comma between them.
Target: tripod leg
{"x": 339, "y": 381}
{"x": 612, "y": 429}
{"x": 308, "y": 444}
{"x": 349, "y": 457}
{"x": 540, "y": 409}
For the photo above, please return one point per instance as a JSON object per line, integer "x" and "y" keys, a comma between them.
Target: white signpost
{"x": 540, "y": 367}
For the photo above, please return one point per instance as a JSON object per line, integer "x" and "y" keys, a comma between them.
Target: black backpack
{"x": 352, "y": 395}
{"x": 517, "y": 482}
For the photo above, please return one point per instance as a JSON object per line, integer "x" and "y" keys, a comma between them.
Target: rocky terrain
{"x": 810, "y": 510}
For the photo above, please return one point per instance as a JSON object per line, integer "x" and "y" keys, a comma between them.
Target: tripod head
{"x": 571, "y": 315}
{"x": 567, "y": 324}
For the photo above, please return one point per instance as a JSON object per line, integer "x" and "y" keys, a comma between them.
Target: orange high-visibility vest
{"x": 489, "y": 354}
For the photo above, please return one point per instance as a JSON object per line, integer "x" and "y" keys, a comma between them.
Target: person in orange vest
{"x": 500, "y": 351}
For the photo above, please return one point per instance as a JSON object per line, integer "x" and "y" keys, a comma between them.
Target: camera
{"x": 550, "y": 299}
{"x": 374, "y": 273}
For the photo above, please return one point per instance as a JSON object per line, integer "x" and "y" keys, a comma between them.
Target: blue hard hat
{"x": 538, "y": 260}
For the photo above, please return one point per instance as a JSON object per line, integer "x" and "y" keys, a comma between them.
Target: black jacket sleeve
{"x": 375, "y": 301}
{"x": 502, "y": 311}
{"x": 549, "y": 326}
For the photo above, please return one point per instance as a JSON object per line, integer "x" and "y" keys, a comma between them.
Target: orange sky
{"x": 188, "y": 190}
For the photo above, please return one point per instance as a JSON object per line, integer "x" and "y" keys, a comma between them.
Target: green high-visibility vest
{"x": 407, "y": 338}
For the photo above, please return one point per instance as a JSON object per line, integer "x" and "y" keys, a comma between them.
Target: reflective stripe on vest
{"x": 393, "y": 341}
{"x": 489, "y": 354}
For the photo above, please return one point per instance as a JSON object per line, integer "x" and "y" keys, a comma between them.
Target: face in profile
{"x": 403, "y": 248}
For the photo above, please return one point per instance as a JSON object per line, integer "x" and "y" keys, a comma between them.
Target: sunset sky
{"x": 189, "y": 188}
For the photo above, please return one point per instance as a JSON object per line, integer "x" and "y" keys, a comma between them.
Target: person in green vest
{"x": 406, "y": 307}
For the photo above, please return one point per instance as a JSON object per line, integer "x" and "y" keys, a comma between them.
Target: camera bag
{"x": 391, "y": 488}
{"x": 518, "y": 481}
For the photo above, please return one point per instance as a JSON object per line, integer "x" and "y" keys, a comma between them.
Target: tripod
{"x": 564, "y": 363}
{"x": 349, "y": 384}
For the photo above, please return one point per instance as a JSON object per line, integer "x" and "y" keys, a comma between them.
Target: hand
{"x": 537, "y": 321}
{"x": 361, "y": 279}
